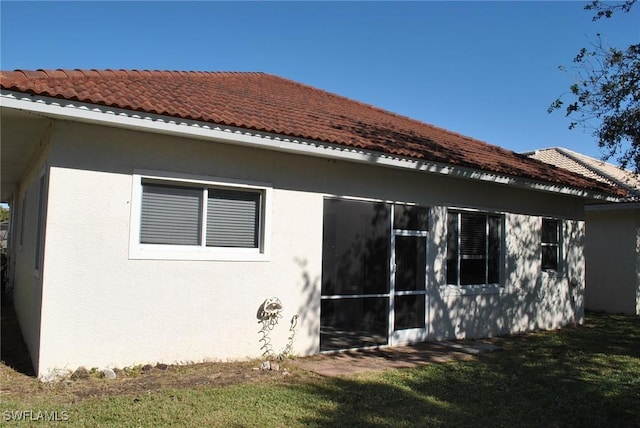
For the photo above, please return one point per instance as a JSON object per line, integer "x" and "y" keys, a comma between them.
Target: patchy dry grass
{"x": 582, "y": 376}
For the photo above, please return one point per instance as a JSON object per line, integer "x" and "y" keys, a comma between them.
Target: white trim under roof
{"x": 169, "y": 125}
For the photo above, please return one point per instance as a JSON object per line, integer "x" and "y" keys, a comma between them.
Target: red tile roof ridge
{"x": 26, "y": 74}
{"x": 63, "y": 73}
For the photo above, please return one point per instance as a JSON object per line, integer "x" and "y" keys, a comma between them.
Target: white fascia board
{"x": 168, "y": 125}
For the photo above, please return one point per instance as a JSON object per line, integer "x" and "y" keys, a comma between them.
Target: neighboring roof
{"x": 590, "y": 167}
{"x": 268, "y": 103}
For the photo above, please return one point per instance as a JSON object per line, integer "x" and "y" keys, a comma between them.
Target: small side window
{"x": 23, "y": 218}
{"x": 42, "y": 191}
{"x": 550, "y": 244}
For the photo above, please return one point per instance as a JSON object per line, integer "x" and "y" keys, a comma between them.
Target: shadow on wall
{"x": 308, "y": 311}
{"x": 529, "y": 299}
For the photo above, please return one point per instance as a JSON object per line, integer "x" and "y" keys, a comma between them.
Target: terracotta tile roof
{"x": 269, "y": 103}
{"x": 590, "y": 167}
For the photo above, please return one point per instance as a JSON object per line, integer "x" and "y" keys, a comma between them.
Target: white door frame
{"x": 412, "y": 335}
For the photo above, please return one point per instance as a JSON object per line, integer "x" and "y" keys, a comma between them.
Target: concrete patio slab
{"x": 351, "y": 362}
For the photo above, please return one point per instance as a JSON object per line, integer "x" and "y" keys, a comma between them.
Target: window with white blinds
{"x": 200, "y": 216}
{"x": 232, "y": 218}
{"x": 170, "y": 215}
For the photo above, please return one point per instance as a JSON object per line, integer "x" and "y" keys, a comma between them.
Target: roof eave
{"x": 635, "y": 192}
{"x": 169, "y": 125}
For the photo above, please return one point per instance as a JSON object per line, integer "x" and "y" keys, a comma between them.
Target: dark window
{"x": 355, "y": 254}
{"x": 411, "y": 263}
{"x": 550, "y": 244}
{"x": 23, "y": 217}
{"x": 40, "y": 225}
{"x": 411, "y": 217}
{"x": 473, "y": 248}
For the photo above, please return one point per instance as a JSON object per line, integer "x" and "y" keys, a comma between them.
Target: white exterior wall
{"x": 101, "y": 308}
{"x": 529, "y": 299}
{"x": 613, "y": 260}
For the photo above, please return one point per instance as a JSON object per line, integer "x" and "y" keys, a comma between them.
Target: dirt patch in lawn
{"x": 18, "y": 381}
{"x": 142, "y": 379}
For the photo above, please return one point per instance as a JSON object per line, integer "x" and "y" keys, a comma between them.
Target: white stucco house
{"x": 154, "y": 212}
{"x": 612, "y": 242}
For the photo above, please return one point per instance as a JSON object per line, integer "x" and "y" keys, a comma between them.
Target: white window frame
{"x": 198, "y": 252}
{"x": 477, "y": 289}
{"x": 558, "y": 245}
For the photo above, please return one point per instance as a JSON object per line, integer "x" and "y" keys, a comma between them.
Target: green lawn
{"x": 578, "y": 377}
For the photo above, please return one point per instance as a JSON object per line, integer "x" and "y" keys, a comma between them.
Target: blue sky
{"x": 487, "y": 70}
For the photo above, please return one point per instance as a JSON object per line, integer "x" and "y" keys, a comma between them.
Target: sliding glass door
{"x": 355, "y": 273}
{"x": 373, "y": 274}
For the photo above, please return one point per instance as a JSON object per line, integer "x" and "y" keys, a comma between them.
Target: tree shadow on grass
{"x": 358, "y": 403}
{"x": 607, "y": 333}
{"x": 581, "y": 376}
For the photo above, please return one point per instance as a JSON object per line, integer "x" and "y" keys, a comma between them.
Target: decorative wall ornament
{"x": 268, "y": 316}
